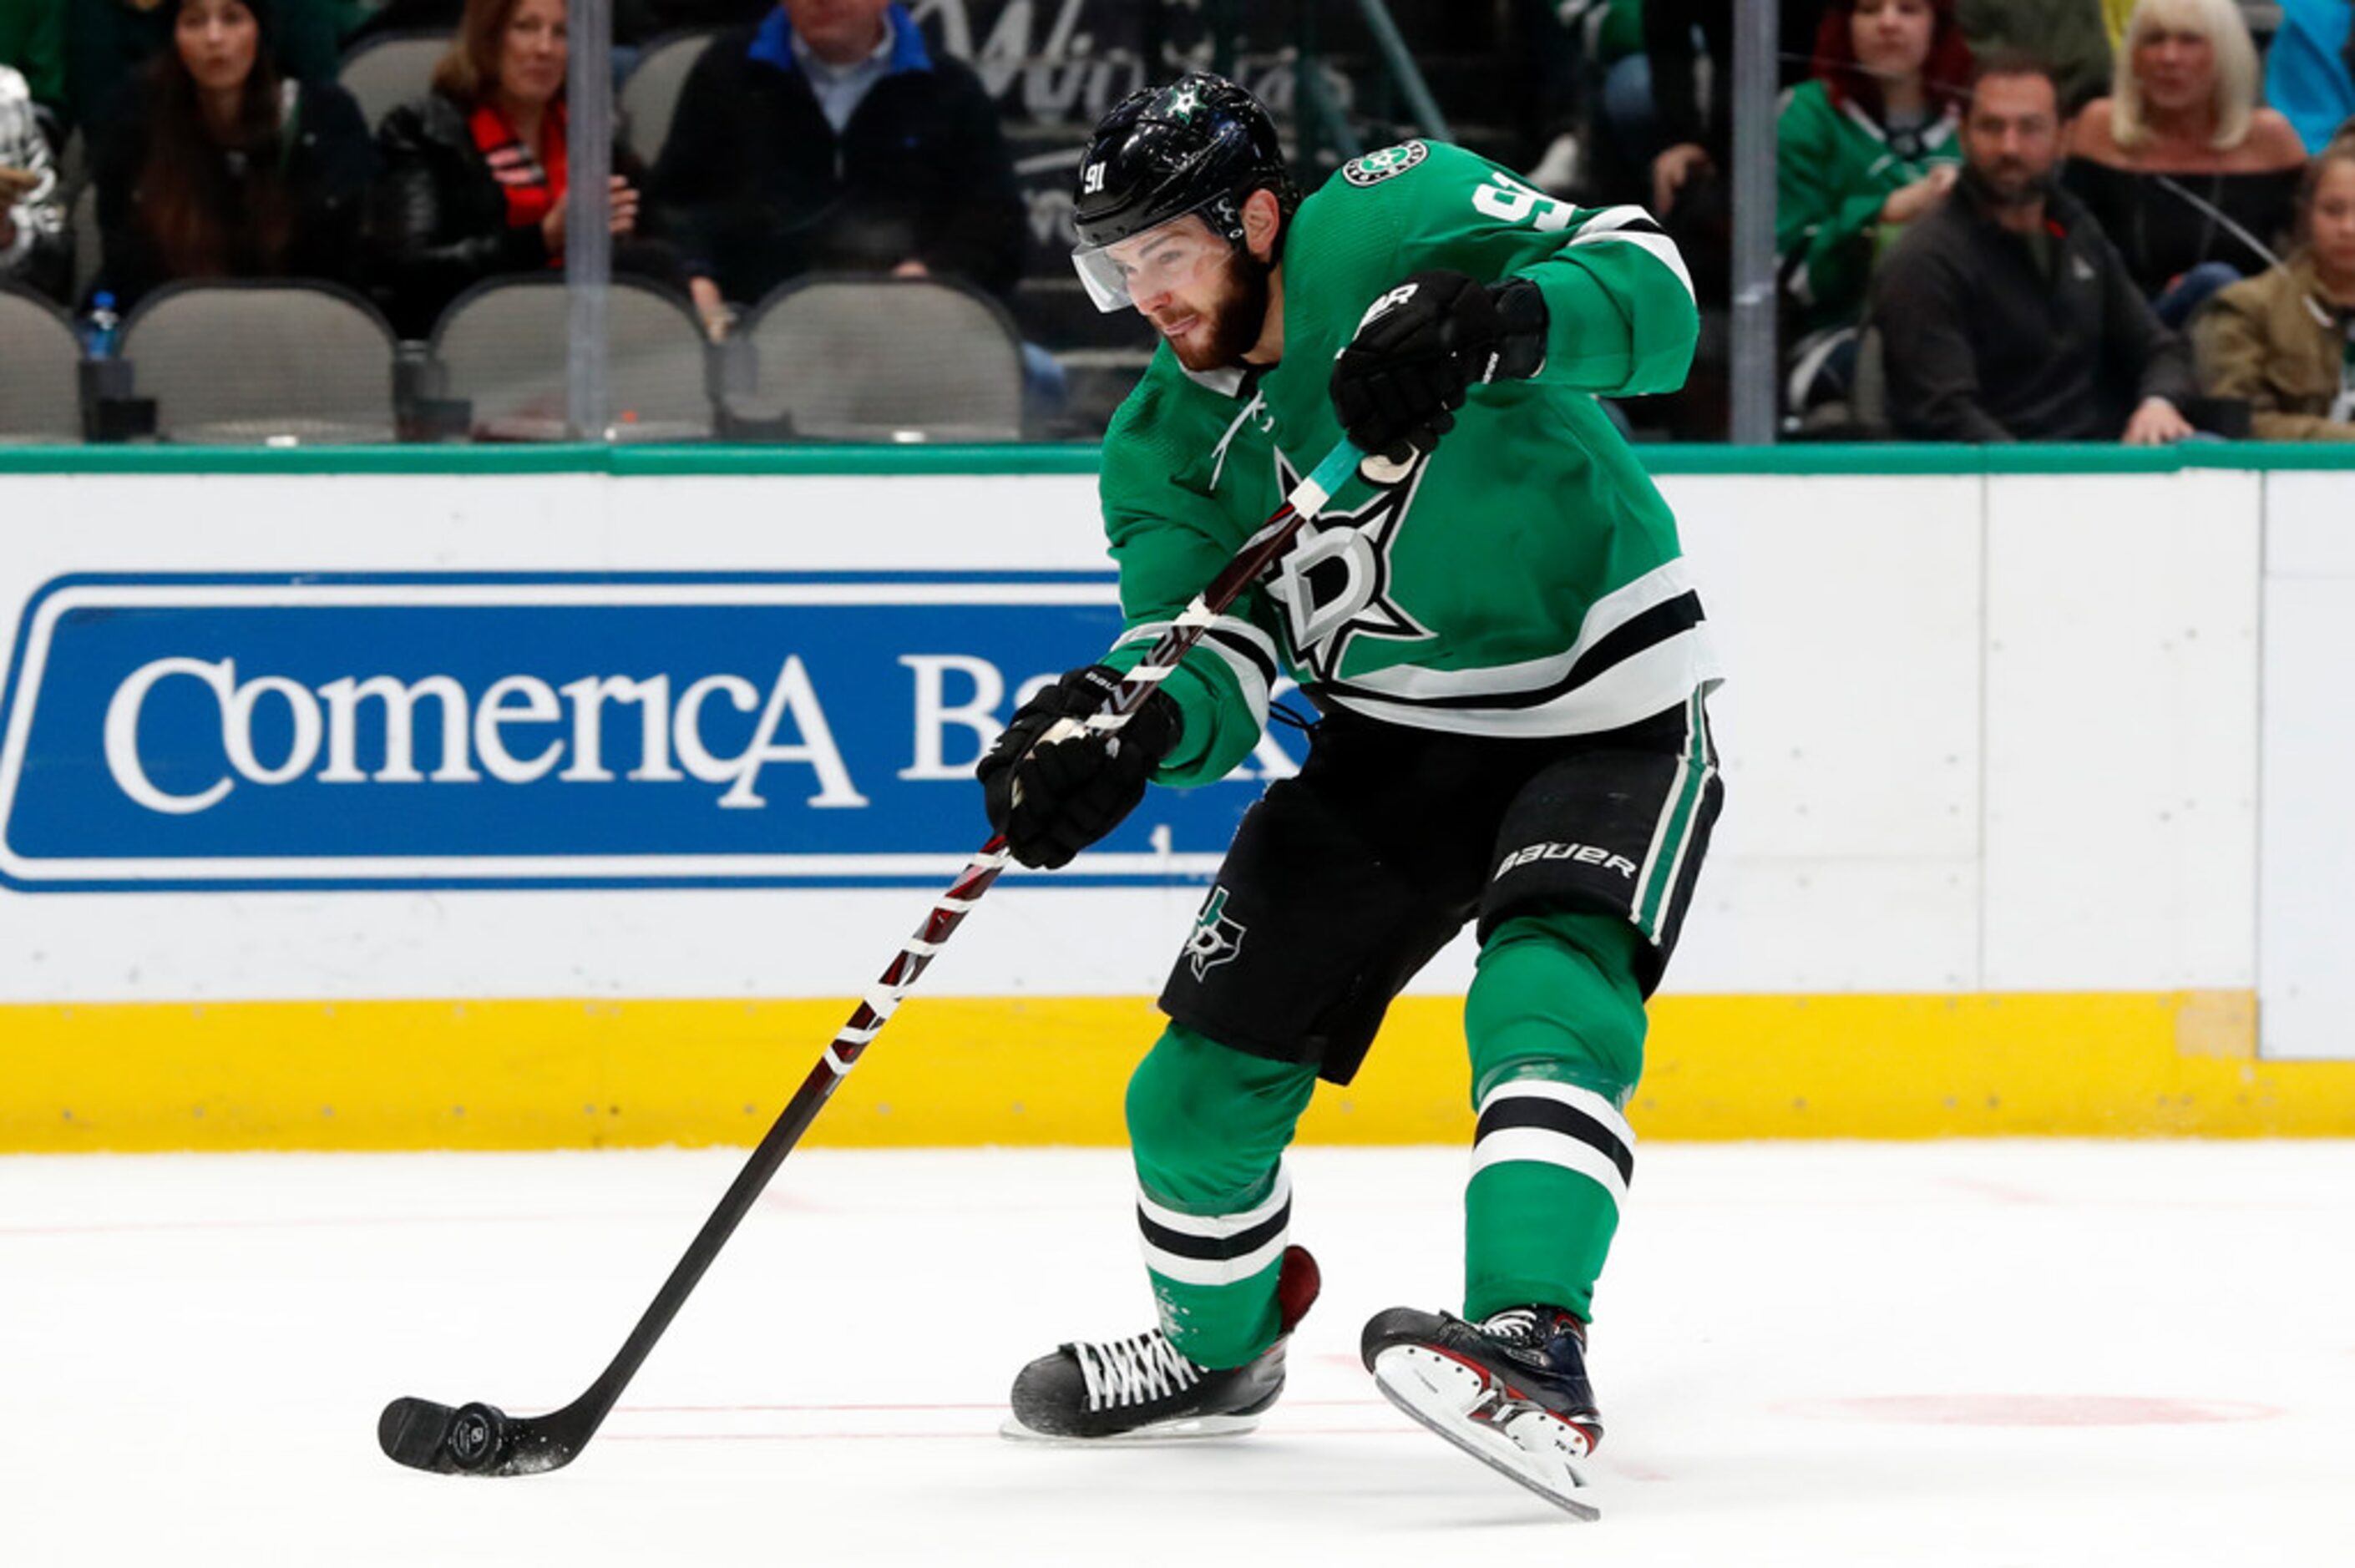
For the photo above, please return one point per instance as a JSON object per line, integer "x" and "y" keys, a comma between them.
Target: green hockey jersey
{"x": 1526, "y": 580}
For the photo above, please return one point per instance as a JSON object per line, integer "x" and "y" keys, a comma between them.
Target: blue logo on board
{"x": 650, "y": 730}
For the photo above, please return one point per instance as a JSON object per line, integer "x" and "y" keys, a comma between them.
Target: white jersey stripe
{"x": 1213, "y": 1271}
{"x": 1696, "y": 742}
{"x": 1217, "y": 1227}
{"x": 1248, "y": 676}
{"x": 1582, "y": 1100}
{"x": 1603, "y": 221}
{"x": 1605, "y": 615}
{"x": 1537, "y": 1145}
{"x": 1659, "y": 247}
{"x": 1652, "y": 682}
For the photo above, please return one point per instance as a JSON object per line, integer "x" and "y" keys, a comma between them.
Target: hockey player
{"x": 1510, "y": 660}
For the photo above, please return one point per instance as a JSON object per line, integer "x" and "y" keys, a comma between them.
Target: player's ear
{"x": 1263, "y": 218}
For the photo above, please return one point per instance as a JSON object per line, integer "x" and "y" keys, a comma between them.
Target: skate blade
{"x": 1194, "y": 1429}
{"x": 1528, "y": 1445}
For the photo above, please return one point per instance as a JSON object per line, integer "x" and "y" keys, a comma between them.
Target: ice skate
{"x": 1143, "y": 1389}
{"x": 1510, "y": 1391}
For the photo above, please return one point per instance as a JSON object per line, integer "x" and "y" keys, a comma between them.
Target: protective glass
{"x": 1168, "y": 256}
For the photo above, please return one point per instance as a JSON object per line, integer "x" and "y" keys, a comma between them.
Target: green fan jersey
{"x": 1524, "y": 581}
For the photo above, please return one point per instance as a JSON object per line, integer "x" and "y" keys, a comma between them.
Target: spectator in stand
{"x": 1862, "y": 150}
{"x": 2191, "y": 180}
{"x": 108, "y": 43}
{"x": 1659, "y": 111}
{"x": 1668, "y": 116}
{"x": 635, "y": 21}
{"x": 475, "y": 172}
{"x": 2284, "y": 342}
{"x": 212, "y": 165}
{"x": 2310, "y": 68}
{"x": 33, "y": 42}
{"x": 2069, "y": 36}
{"x": 2004, "y": 313}
{"x": 829, "y": 136}
{"x": 33, "y": 250}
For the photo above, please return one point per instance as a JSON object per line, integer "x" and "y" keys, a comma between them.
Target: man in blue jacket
{"x": 830, "y": 136}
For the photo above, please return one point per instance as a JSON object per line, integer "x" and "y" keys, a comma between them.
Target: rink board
{"x": 550, "y": 1075}
{"x": 1994, "y": 858}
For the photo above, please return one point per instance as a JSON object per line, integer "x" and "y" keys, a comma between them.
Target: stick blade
{"x": 471, "y": 1440}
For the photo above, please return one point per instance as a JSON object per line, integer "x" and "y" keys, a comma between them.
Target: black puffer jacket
{"x": 322, "y": 157}
{"x": 442, "y": 217}
{"x": 756, "y": 187}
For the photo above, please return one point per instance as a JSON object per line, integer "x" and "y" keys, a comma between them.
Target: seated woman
{"x": 2193, "y": 182}
{"x": 212, "y": 165}
{"x": 475, "y": 172}
{"x": 1861, "y": 149}
{"x": 2284, "y": 342}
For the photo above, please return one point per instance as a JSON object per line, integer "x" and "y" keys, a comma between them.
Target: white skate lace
{"x": 1133, "y": 1371}
{"x": 1514, "y": 1325}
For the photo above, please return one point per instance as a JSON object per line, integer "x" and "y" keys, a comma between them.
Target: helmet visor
{"x": 1168, "y": 257}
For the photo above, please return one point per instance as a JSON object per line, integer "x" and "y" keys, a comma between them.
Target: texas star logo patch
{"x": 1375, "y": 167}
{"x": 1215, "y": 938}
{"x": 1334, "y": 582}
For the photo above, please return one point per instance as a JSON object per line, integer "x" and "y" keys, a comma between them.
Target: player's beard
{"x": 1235, "y": 320}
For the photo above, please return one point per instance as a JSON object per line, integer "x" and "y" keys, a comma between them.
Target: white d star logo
{"x": 1334, "y": 582}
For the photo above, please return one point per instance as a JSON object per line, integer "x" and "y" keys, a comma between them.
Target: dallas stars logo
{"x": 1379, "y": 166}
{"x": 1184, "y": 102}
{"x": 1334, "y": 582}
{"x": 1215, "y": 938}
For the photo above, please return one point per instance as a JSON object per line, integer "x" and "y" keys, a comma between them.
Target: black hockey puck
{"x": 478, "y": 1437}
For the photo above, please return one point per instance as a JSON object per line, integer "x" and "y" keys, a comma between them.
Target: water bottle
{"x": 102, "y": 328}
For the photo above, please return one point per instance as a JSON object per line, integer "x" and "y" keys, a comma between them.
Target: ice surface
{"x": 1984, "y": 1354}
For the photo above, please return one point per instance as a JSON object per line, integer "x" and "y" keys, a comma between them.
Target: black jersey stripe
{"x": 1624, "y": 642}
{"x": 1648, "y": 628}
{"x": 1251, "y": 652}
{"x": 1552, "y": 1115}
{"x": 1214, "y": 1249}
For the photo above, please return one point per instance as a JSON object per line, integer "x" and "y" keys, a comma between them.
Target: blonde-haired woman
{"x": 2192, "y": 181}
{"x": 2284, "y": 342}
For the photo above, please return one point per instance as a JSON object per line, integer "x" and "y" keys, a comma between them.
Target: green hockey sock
{"x": 1208, "y": 1126}
{"x": 1556, "y": 1024}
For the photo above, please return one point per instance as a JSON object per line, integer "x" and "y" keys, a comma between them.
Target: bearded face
{"x": 1207, "y": 298}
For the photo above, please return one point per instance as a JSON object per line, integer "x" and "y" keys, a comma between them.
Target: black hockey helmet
{"x": 1201, "y": 145}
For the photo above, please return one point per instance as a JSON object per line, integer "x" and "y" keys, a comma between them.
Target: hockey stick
{"x": 482, "y": 1440}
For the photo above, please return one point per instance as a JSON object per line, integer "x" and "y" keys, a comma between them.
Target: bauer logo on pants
{"x": 655, "y": 730}
{"x": 1582, "y": 855}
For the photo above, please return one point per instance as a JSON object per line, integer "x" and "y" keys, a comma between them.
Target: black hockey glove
{"x": 1397, "y": 386}
{"x": 1053, "y": 796}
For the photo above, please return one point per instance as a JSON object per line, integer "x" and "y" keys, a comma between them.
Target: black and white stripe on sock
{"x": 1556, "y": 1124}
{"x": 1216, "y": 1249}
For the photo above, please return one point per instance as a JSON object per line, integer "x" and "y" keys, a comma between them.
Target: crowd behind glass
{"x": 1995, "y": 220}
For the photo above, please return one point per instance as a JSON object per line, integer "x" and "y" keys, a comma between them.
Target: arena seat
{"x": 281, "y": 361}
{"x": 387, "y": 70}
{"x": 39, "y": 395}
{"x": 830, "y": 357}
{"x": 649, "y": 96}
{"x": 502, "y": 347}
